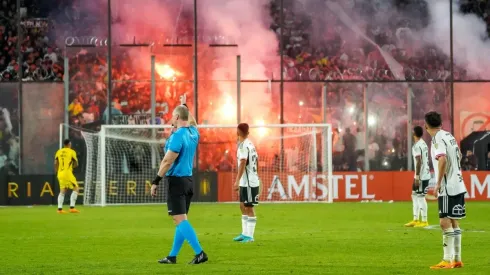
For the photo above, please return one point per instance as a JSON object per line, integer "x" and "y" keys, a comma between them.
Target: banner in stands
{"x": 38, "y": 23}
{"x": 126, "y": 189}
{"x": 137, "y": 119}
{"x": 347, "y": 186}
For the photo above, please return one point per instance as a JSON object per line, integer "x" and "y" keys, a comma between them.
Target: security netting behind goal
{"x": 294, "y": 163}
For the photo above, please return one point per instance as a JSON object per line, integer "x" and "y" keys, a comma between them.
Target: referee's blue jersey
{"x": 184, "y": 142}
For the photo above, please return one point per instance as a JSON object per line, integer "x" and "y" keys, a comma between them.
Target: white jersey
{"x": 444, "y": 144}
{"x": 421, "y": 150}
{"x": 246, "y": 150}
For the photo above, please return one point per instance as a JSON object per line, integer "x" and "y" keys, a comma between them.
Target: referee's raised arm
{"x": 177, "y": 167}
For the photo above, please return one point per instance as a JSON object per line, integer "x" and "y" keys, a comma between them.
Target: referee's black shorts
{"x": 180, "y": 191}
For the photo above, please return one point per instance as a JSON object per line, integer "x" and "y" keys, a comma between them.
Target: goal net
{"x": 295, "y": 163}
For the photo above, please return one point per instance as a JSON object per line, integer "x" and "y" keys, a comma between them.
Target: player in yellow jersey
{"x": 65, "y": 161}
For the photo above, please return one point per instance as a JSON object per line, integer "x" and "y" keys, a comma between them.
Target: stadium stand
{"x": 310, "y": 55}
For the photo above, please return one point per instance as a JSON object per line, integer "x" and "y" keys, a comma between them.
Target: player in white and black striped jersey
{"x": 247, "y": 183}
{"x": 450, "y": 189}
{"x": 420, "y": 153}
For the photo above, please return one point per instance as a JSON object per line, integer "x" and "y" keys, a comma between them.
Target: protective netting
{"x": 293, "y": 162}
{"x": 132, "y": 157}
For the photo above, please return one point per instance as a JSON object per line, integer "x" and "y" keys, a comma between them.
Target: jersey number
{"x": 459, "y": 165}
{"x": 457, "y": 159}
{"x": 62, "y": 162}
{"x": 254, "y": 163}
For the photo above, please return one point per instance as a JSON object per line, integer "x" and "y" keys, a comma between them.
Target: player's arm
{"x": 442, "y": 164}
{"x": 241, "y": 170}
{"x": 75, "y": 163}
{"x": 192, "y": 120}
{"x": 417, "y": 153}
{"x": 257, "y": 165}
{"x": 56, "y": 165}
{"x": 418, "y": 166}
{"x": 260, "y": 183}
{"x": 440, "y": 151}
{"x": 242, "y": 163}
{"x": 74, "y": 159}
{"x": 56, "y": 162}
{"x": 167, "y": 162}
{"x": 171, "y": 155}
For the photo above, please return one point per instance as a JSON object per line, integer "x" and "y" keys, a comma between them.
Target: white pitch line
{"x": 436, "y": 227}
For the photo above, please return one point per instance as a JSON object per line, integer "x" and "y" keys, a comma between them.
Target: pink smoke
{"x": 470, "y": 50}
{"x": 245, "y": 23}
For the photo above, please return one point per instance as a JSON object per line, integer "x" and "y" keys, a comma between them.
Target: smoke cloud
{"x": 416, "y": 26}
{"x": 147, "y": 20}
{"x": 245, "y": 23}
{"x": 429, "y": 24}
{"x": 471, "y": 46}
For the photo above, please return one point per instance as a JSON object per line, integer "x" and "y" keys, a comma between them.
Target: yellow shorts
{"x": 67, "y": 181}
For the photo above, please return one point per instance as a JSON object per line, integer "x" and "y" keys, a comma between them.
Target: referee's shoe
{"x": 168, "y": 260}
{"x": 200, "y": 258}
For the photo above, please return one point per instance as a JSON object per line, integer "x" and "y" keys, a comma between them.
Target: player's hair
{"x": 418, "y": 131}
{"x": 182, "y": 112}
{"x": 433, "y": 119}
{"x": 243, "y": 127}
{"x": 66, "y": 142}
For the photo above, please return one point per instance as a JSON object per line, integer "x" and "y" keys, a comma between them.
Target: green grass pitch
{"x": 339, "y": 238}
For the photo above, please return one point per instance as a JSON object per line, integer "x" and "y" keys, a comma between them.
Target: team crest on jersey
{"x": 459, "y": 210}
{"x": 435, "y": 145}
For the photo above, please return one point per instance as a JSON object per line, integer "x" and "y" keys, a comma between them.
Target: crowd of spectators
{"x": 334, "y": 53}
{"x": 41, "y": 57}
{"x": 331, "y": 52}
{"x": 319, "y": 46}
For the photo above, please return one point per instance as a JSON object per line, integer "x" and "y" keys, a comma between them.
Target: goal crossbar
{"x": 209, "y": 126}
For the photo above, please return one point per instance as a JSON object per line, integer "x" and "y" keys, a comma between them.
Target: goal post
{"x": 123, "y": 159}
{"x": 103, "y": 162}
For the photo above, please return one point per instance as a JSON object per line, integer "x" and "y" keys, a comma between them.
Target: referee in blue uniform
{"x": 176, "y": 166}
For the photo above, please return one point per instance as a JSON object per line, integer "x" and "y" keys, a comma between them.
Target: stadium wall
{"x": 131, "y": 189}
{"x": 349, "y": 186}
{"x": 217, "y": 187}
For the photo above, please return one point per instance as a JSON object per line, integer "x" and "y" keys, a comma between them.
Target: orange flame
{"x": 165, "y": 71}
{"x": 262, "y": 131}
{"x": 228, "y": 108}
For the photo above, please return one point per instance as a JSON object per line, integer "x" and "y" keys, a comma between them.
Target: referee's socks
{"x": 190, "y": 235}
